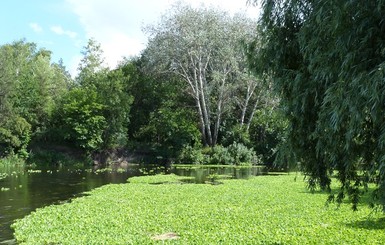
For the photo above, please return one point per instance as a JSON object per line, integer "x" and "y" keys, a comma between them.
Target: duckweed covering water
{"x": 260, "y": 210}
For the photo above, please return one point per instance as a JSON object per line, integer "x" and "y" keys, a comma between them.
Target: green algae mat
{"x": 167, "y": 209}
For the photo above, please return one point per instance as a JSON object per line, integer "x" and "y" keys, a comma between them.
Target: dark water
{"x": 23, "y": 190}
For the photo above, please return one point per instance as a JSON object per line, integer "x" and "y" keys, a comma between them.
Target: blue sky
{"x": 64, "y": 26}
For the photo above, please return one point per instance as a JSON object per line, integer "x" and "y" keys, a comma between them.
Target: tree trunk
{"x": 205, "y": 109}
{"x": 251, "y": 86}
{"x": 202, "y": 122}
{"x": 252, "y": 115}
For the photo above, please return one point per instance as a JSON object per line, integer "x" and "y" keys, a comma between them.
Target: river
{"x": 22, "y": 190}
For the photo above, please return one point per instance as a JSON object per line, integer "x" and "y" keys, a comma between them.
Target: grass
{"x": 260, "y": 210}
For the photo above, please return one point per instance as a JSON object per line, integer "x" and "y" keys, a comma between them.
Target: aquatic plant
{"x": 260, "y": 210}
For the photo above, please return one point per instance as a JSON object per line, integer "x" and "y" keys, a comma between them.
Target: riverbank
{"x": 260, "y": 210}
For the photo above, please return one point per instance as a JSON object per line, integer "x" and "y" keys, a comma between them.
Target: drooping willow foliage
{"x": 327, "y": 61}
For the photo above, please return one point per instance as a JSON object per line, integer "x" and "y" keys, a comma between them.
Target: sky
{"x": 65, "y": 26}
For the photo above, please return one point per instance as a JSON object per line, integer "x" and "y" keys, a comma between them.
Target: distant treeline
{"x": 189, "y": 96}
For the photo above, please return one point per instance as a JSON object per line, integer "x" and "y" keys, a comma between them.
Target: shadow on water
{"x": 23, "y": 190}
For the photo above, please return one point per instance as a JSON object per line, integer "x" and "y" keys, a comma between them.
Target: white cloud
{"x": 60, "y": 31}
{"x": 117, "y": 24}
{"x": 36, "y": 27}
{"x": 119, "y": 45}
{"x": 73, "y": 65}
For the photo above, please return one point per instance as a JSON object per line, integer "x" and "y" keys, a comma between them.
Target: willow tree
{"x": 203, "y": 47}
{"x": 327, "y": 59}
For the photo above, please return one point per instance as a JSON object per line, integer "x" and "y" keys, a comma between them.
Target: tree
{"x": 91, "y": 63}
{"x": 95, "y": 114}
{"x": 203, "y": 47}
{"x": 63, "y": 81}
{"x": 161, "y": 116}
{"x": 113, "y": 93}
{"x": 33, "y": 82}
{"x": 82, "y": 121}
{"x": 29, "y": 90}
{"x": 327, "y": 63}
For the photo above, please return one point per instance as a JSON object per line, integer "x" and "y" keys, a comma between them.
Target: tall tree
{"x": 96, "y": 110}
{"x": 29, "y": 88}
{"x": 161, "y": 116}
{"x": 63, "y": 81}
{"x": 15, "y": 131}
{"x": 203, "y": 47}
{"x": 327, "y": 61}
{"x": 91, "y": 63}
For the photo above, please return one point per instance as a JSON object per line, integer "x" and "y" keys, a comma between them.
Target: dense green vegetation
{"x": 303, "y": 87}
{"x": 261, "y": 210}
{"x": 215, "y": 88}
{"x": 152, "y": 104}
{"x": 326, "y": 60}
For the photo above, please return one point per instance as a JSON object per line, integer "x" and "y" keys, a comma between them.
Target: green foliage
{"x": 267, "y": 133}
{"x": 112, "y": 93}
{"x": 15, "y": 135}
{"x": 235, "y": 154}
{"x": 159, "y": 179}
{"x": 242, "y": 155}
{"x": 202, "y": 47}
{"x": 327, "y": 63}
{"x": 8, "y": 163}
{"x": 221, "y": 156}
{"x": 261, "y": 210}
{"x": 238, "y": 134}
{"x": 82, "y": 120}
{"x": 94, "y": 114}
{"x": 56, "y": 156}
{"x": 161, "y": 115}
{"x": 191, "y": 155}
{"x": 147, "y": 94}
{"x": 28, "y": 90}
{"x": 91, "y": 63}
{"x": 170, "y": 128}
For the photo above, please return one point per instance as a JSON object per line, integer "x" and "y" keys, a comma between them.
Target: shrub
{"x": 235, "y": 154}
{"x": 242, "y": 155}
{"x": 15, "y": 136}
{"x": 220, "y": 156}
{"x": 191, "y": 155}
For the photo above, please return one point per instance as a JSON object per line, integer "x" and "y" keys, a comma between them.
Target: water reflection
{"x": 202, "y": 174}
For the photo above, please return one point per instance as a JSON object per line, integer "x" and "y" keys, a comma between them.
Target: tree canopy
{"x": 190, "y": 88}
{"x": 204, "y": 48}
{"x": 29, "y": 86}
{"x": 94, "y": 114}
{"x": 326, "y": 59}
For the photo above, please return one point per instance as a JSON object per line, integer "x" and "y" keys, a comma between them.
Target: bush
{"x": 235, "y": 154}
{"x": 242, "y": 155}
{"x": 15, "y": 136}
{"x": 44, "y": 157}
{"x": 220, "y": 156}
{"x": 191, "y": 155}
